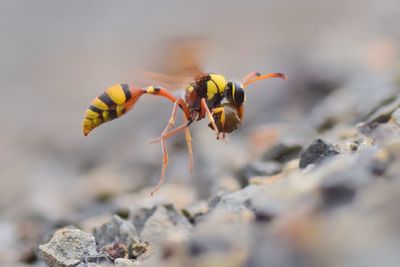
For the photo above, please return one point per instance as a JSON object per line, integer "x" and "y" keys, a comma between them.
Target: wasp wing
{"x": 180, "y": 64}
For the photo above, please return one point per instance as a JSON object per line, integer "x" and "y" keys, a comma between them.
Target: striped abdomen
{"x": 112, "y": 104}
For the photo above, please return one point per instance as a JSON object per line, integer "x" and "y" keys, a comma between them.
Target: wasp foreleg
{"x": 210, "y": 118}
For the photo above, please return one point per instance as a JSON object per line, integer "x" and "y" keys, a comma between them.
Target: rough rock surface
{"x": 164, "y": 221}
{"x": 333, "y": 203}
{"x": 116, "y": 230}
{"x": 258, "y": 168}
{"x": 316, "y": 152}
{"x": 68, "y": 247}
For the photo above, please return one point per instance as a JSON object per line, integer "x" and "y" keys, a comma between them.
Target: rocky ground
{"x": 310, "y": 179}
{"x": 324, "y": 195}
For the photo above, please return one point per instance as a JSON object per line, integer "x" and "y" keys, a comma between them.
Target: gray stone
{"x": 352, "y": 107}
{"x": 68, "y": 247}
{"x": 316, "y": 152}
{"x": 116, "y": 230}
{"x": 380, "y": 132}
{"x": 139, "y": 215}
{"x": 195, "y": 211}
{"x": 336, "y": 194}
{"x": 395, "y": 117}
{"x": 121, "y": 262}
{"x": 258, "y": 168}
{"x": 164, "y": 221}
{"x": 282, "y": 152}
{"x": 237, "y": 201}
{"x": 384, "y": 112}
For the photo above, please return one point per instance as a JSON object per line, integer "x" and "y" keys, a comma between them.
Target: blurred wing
{"x": 180, "y": 64}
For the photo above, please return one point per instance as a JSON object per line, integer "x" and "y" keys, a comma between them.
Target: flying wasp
{"x": 207, "y": 95}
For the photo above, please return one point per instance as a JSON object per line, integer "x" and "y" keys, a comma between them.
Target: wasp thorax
{"x": 234, "y": 93}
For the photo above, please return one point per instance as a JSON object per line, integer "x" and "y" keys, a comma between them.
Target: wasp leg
{"x": 170, "y": 124}
{"x": 165, "y": 153}
{"x": 222, "y": 119}
{"x": 178, "y": 103}
{"x": 210, "y": 117}
{"x": 164, "y": 167}
{"x": 165, "y": 93}
{"x": 165, "y": 135}
{"x": 188, "y": 139}
{"x": 256, "y": 76}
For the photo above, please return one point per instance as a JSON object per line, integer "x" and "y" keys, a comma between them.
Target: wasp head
{"x": 234, "y": 93}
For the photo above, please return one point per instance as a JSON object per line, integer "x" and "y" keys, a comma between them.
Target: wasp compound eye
{"x": 238, "y": 95}
{"x": 235, "y": 93}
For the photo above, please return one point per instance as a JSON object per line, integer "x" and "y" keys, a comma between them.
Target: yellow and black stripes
{"x": 215, "y": 85}
{"x": 117, "y": 100}
{"x": 235, "y": 93}
{"x": 108, "y": 106}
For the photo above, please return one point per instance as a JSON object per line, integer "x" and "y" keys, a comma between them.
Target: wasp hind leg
{"x": 165, "y": 135}
{"x": 171, "y": 123}
{"x": 188, "y": 138}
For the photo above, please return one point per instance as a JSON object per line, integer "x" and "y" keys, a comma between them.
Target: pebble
{"x": 68, "y": 247}
{"x": 164, "y": 220}
{"x": 124, "y": 263}
{"x": 316, "y": 152}
{"x": 115, "y": 231}
{"x": 282, "y": 152}
{"x": 257, "y": 168}
{"x": 395, "y": 117}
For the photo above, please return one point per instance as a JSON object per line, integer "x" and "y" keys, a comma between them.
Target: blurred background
{"x": 57, "y": 56}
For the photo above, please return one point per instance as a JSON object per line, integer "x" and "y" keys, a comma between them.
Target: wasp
{"x": 208, "y": 95}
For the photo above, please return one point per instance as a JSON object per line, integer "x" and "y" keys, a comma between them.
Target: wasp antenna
{"x": 255, "y": 76}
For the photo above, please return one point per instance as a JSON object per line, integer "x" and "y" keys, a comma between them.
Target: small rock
{"x": 258, "y": 168}
{"x": 384, "y": 112}
{"x": 334, "y": 195}
{"x": 139, "y": 216}
{"x": 380, "y": 162}
{"x": 237, "y": 202}
{"x": 116, "y": 230}
{"x": 353, "y": 107}
{"x": 380, "y": 132}
{"x": 396, "y": 116}
{"x": 270, "y": 203}
{"x": 195, "y": 211}
{"x": 124, "y": 263}
{"x": 282, "y": 152}
{"x": 117, "y": 250}
{"x": 138, "y": 250}
{"x": 164, "y": 221}
{"x": 68, "y": 247}
{"x": 316, "y": 152}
